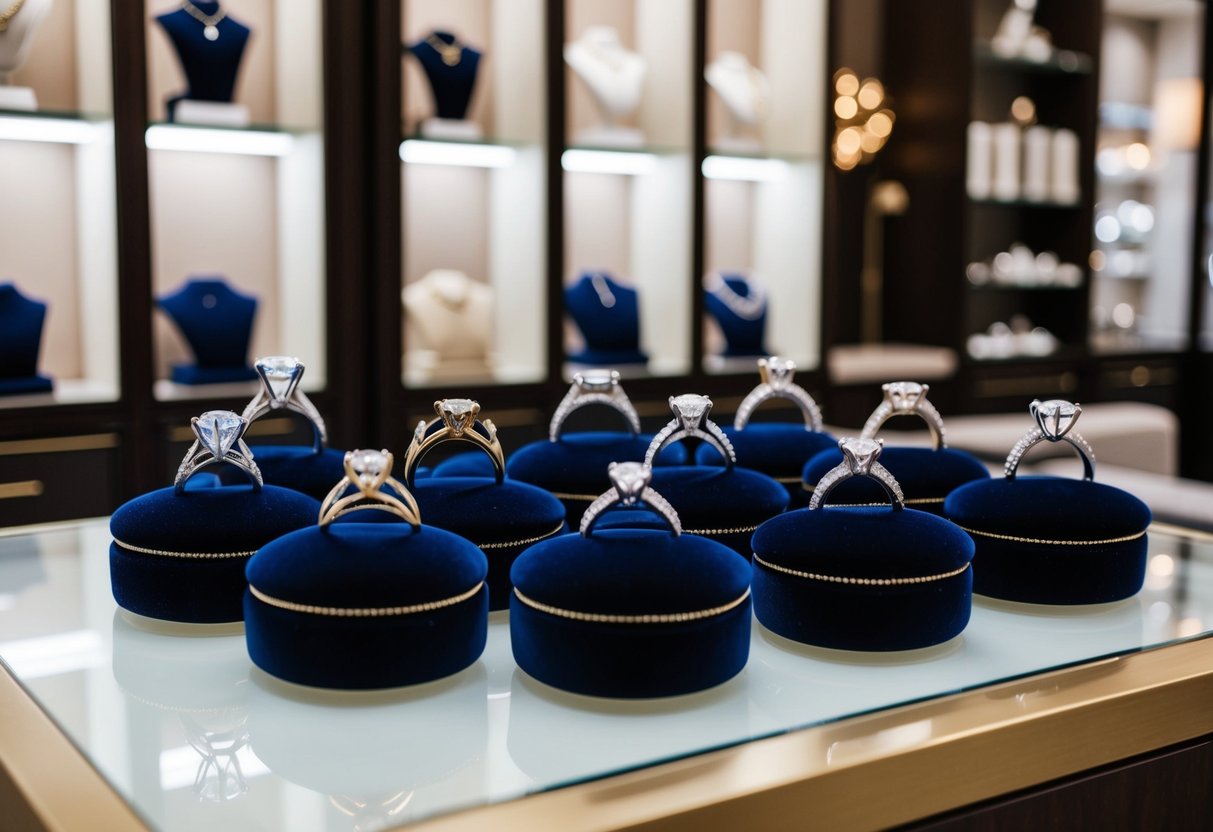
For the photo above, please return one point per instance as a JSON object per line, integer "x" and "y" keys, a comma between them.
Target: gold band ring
{"x": 367, "y": 472}
{"x": 456, "y": 422}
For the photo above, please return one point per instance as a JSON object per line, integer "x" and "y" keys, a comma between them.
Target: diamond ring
{"x": 691, "y": 419}
{"x": 594, "y": 387}
{"x": 219, "y": 438}
{"x": 776, "y": 383}
{"x": 456, "y": 422}
{"x": 1054, "y": 420}
{"x": 859, "y": 457}
{"x": 367, "y": 472}
{"x": 630, "y": 488}
{"x": 280, "y": 375}
{"x": 906, "y": 398}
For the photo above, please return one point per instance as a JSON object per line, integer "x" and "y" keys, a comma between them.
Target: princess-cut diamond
{"x": 860, "y": 454}
{"x": 904, "y": 395}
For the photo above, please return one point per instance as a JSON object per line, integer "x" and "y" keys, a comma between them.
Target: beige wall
{"x": 50, "y": 67}
{"x": 733, "y": 26}
{"x": 469, "y": 21}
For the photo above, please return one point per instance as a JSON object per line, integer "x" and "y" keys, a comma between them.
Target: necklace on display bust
{"x": 210, "y": 22}
{"x": 605, "y": 296}
{"x": 9, "y": 13}
{"x": 748, "y": 307}
{"x": 451, "y": 53}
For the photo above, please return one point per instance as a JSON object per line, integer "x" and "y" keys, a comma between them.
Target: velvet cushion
{"x": 298, "y": 467}
{"x": 193, "y": 374}
{"x": 503, "y": 519}
{"x": 630, "y": 572}
{"x": 26, "y": 385}
{"x": 1045, "y": 514}
{"x": 777, "y": 449}
{"x": 725, "y": 505}
{"x": 214, "y": 531}
{"x": 926, "y": 476}
{"x": 844, "y": 546}
{"x": 355, "y": 566}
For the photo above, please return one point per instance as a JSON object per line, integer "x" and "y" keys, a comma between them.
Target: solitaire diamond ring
{"x": 906, "y": 398}
{"x": 859, "y": 457}
{"x": 280, "y": 375}
{"x": 594, "y": 387}
{"x": 366, "y": 472}
{"x": 456, "y": 422}
{"x": 776, "y": 383}
{"x": 630, "y": 487}
{"x": 1054, "y": 420}
{"x": 220, "y": 438}
{"x": 691, "y": 419}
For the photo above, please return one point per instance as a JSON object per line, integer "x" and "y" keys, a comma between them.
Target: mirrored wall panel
{"x": 236, "y": 170}
{"x": 58, "y": 244}
{"x": 628, "y": 187}
{"x": 766, "y": 86}
{"x": 473, "y": 181}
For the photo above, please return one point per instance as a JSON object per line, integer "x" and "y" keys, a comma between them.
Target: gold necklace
{"x": 210, "y": 22}
{"x": 452, "y": 53}
{"x": 9, "y": 13}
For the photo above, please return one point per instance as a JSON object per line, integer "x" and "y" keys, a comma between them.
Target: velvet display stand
{"x": 744, "y": 337}
{"x": 426, "y": 585}
{"x": 21, "y": 322}
{"x": 298, "y": 467}
{"x": 1052, "y": 540}
{"x": 926, "y": 476}
{"x": 452, "y": 86}
{"x": 777, "y": 449}
{"x": 210, "y": 66}
{"x": 726, "y": 505}
{"x": 862, "y": 578}
{"x": 611, "y": 332}
{"x": 217, "y": 323}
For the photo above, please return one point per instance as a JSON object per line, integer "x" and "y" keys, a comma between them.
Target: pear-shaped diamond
{"x": 777, "y": 371}
{"x": 369, "y": 466}
{"x": 904, "y": 395}
{"x": 690, "y": 409}
{"x": 1055, "y": 417}
{"x": 281, "y": 373}
{"x": 630, "y": 480}
{"x": 218, "y": 431}
{"x": 860, "y": 454}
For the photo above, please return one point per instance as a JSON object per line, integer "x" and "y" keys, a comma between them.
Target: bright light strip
{"x": 32, "y": 658}
{"x": 57, "y": 130}
{"x": 743, "y": 168}
{"x": 608, "y": 161}
{"x": 212, "y": 140}
{"x": 461, "y": 154}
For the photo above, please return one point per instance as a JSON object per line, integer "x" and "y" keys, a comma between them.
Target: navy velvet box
{"x": 927, "y": 476}
{"x": 298, "y": 467}
{"x": 181, "y": 556}
{"x": 777, "y": 449}
{"x": 357, "y": 605}
{"x": 862, "y": 577}
{"x": 723, "y": 504}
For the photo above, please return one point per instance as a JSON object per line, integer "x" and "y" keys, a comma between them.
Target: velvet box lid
{"x": 630, "y": 613}
{"x": 1053, "y": 540}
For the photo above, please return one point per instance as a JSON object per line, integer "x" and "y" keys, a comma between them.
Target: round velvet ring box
{"x": 927, "y": 475}
{"x": 871, "y": 578}
{"x": 501, "y": 516}
{"x": 724, "y": 504}
{"x": 1052, "y": 540}
{"x": 179, "y": 553}
{"x": 630, "y": 613}
{"x": 777, "y": 449}
{"x": 366, "y": 605}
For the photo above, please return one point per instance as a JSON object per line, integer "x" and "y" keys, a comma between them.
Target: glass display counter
{"x": 175, "y": 729}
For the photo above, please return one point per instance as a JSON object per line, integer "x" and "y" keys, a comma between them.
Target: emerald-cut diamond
{"x": 458, "y": 414}
{"x": 630, "y": 480}
{"x": 860, "y": 454}
{"x": 218, "y": 431}
{"x": 369, "y": 466}
{"x": 777, "y": 371}
{"x": 1055, "y": 416}
{"x": 690, "y": 409}
{"x": 904, "y": 395}
{"x": 281, "y": 374}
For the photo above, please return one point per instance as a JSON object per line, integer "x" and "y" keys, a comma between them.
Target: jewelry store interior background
{"x": 874, "y": 190}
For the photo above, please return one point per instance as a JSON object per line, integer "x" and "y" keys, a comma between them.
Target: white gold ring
{"x": 594, "y": 387}
{"x": 906, "y": 398}
{"x": 630, "y": 486}
{"x": 1054, "y": 420}
{"x": 776, "y": 375}
{"x": 691, "y": 419}
{"x": 219, "y": 438}
{"x": 859, "y": 457}
{"x": 280, "y": 376}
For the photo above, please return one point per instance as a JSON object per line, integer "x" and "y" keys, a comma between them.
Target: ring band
{"x": 594, "y": 387}
{"x": 691, "y": 419}
{"x": 859, "y": 457}
{"x": 629, "y": 486}
{"x": 219, "y": 437}
{"x": 367, "y": 472}
{"x": 280, "y": 376}
{"x": 456, "y": 422}
{"x": 906, "y": 398}
{"x": 776, "y": 383}
{"x": 1054, "y": 420}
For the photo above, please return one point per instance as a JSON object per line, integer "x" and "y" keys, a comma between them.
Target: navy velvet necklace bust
{"x": 217, "y": 323}
{"x": 612, "y": 332}
{"x": 210, "y": 66}
{"x": 744, "y": 336}
{"x": 21, "y": 321}
{"x": 452, "y": 85}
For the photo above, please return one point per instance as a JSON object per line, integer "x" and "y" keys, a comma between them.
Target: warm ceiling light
{"x": 871, "y": 94}
{"x": 880, "y": 124}
{"x": 849, "y": 141}
{"x": 846, "y": 82}
{"x": 846, "y": 108}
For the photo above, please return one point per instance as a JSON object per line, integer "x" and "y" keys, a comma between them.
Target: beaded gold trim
{"x": 364, "y": 612}
{"x": 705, "y": 532}
{"x": 651, "y": 618}
{"x": 788, "y": 480}
{"x": 526, "y": 542}
{"x": 1015, "y": 539}
{"x": 842, "y": 579}
{"x": 559, "y": 495}
{"x": 191, "y": 555}
{"x": 914, "y": 501}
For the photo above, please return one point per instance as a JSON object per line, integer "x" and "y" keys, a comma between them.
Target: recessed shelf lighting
{"x": 55, "y": 130}
{"x": 622, "y": 162}
{"x": 744, "y": 168}
{"x": 461, "y": 154}
{"x": 212, "y": 140}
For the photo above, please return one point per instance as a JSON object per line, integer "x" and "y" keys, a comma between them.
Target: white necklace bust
{"x": 742, "y": 87}
{"x": 15, "y": 43}
{"x": 451, "y": 317}
{"x": 613, "y": 74}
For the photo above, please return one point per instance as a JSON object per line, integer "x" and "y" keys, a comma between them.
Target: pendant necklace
{"x": 747, "y": 307}
{"x": 605, "y": 296}
{"x": 210, "y": 22}
{"x": 451, "y": 53}
{"x": 8, "y": 14}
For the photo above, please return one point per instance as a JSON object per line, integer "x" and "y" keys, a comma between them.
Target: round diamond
{"x": 630, "y": 479}
{"x": 218, "y": 431}
{"x": 861, "y": 452}
{"x": 779, "y": 370}
{"x": 281, "y": 373}
{"x": 368, "y": 465}
{"x": 904, "y": 395}
{"x": 1055, "y": 416}
{"x": 691, "y": 408}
